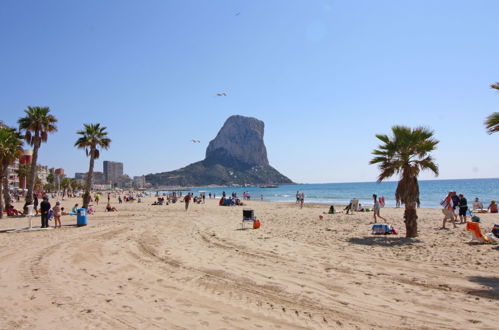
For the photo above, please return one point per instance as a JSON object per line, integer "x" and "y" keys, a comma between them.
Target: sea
{"x": 431, "y": 191}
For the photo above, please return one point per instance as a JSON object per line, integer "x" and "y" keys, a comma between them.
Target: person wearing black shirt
{"x": 455, "y": 203}
{"x": 44, "y": 210}
{"x": 463, "y": 208}
{"x": 35, "y": 203}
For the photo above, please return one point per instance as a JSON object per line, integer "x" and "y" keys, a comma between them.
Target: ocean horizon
{"x": 431, "y": 191}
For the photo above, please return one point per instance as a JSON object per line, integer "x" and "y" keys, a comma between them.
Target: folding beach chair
{"x": 355, "y": 205}
{"x": 248, "y": 216}
{"x": 476, "y": 233}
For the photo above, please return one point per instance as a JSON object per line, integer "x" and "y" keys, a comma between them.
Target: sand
{"x": 159, "y": 267}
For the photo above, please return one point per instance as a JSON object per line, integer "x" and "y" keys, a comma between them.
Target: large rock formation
{"x": 239, "y": 144}
{"x": 237, "y": 155}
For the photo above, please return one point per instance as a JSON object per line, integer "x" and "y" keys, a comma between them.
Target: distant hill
{"x": 237, "y": 155}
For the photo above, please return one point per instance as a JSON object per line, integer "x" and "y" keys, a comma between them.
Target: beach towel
{"x": 495, "y": 231}
{"x": 381, "y": 229}
{"x": 447, "y": 203}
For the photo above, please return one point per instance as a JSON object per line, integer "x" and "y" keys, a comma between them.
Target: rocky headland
{"x": 236, "y": 156}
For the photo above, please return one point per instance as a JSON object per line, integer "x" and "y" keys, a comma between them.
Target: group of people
{"x": 47, "y": 212}
{"x": 455, "y": 208}
{"x": 478, "y": 206}
{"x": 300, "y": 198}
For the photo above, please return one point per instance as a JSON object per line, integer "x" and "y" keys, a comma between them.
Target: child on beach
{"x": 57, "y": 214}
{"x": 376, "y": 209}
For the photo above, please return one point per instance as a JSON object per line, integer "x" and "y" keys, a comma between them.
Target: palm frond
{"x": 492, "y": 123}
{"x": 93, "y": 137}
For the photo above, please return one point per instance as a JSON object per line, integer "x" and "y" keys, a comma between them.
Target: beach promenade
{"x": 159, "y": 267}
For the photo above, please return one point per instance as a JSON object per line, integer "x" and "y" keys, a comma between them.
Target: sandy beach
{"x": 159, "y": 267}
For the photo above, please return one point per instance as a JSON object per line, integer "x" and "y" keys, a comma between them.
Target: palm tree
{"x": 36, "y": 126}
{"x": 406, "y": 154}
{"x": 92, "y": 138}
{"x": 11, "y": 149}
{"x": 65, "y": 185}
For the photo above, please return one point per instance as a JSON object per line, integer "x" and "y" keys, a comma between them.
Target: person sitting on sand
{"x": 492, "y": 207}
{"x": 11, "y": 211}
{"x": 360, "y": 208}
{"x": 75, "y": 208}
{"x": 63, "y": 212}
{"x": 348, "y": 208}
{"x": 110, "y": 208}
{"x": 477, "y": 205}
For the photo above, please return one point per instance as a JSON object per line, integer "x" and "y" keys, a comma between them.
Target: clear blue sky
{"x": 324, "y": 76}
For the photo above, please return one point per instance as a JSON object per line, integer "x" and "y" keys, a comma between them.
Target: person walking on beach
{"x": 455, "y": 203}
{"x": 44, "y": 210}
{"x": 463, "y": 208}
{"x": 57, "y": 214}
{"x": 35, "y": 203}
{"x": 187, "y": 199}
{"x": 302, "y": 199}
{"x": 376, "y": 209}
{"x": 297, "y": 196}
{"x": 448, "y": 210}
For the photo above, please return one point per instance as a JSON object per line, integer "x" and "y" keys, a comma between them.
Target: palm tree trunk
{"x": 5, "y": 183}
{"x": 411, "y": 220}
{"x": 1, "y": 188}
{"x": 32, "y": 172}
{"x": 88, "y": 185}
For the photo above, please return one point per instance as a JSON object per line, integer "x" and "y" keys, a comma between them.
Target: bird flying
{"x": 221, "y": 94}
{"x": 195, "y": 141}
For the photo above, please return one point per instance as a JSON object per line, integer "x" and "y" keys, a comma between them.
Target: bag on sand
{"x": 256, "y": 224}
